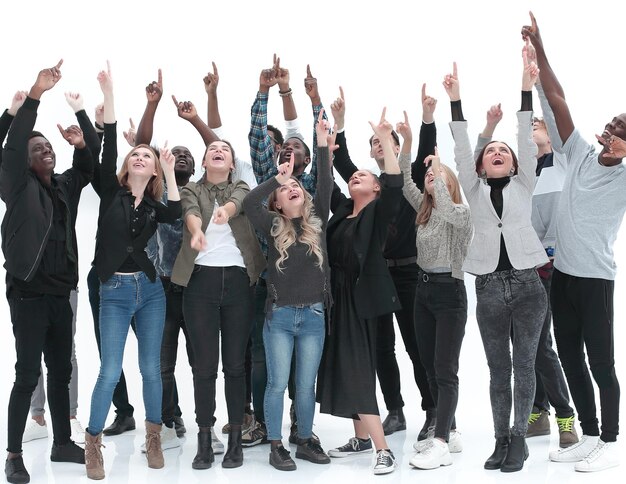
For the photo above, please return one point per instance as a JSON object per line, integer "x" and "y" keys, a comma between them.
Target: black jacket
{"x": 375, "y": 293}
{"x": 28, "y": 218}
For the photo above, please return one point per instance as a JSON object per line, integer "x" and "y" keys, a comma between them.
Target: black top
{"x": 497, "y": 185}
{"x": 116, "y": 242}
{"x": 400, "y": 241}
{"x": 341, "y": 247}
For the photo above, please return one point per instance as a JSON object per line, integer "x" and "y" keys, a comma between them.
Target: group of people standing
{"x": 303, "y": 299}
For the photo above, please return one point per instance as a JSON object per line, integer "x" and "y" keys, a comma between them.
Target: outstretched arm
{"x": 494, "y": 116}
{"x": 427, "y": 141}
{"x": 410, "y": 189}
{"x": 186, "y": 110}
{"x": 7, "y": 117}
{"x": 261, "y": 146}
{"x": 549, "y": 82}
{"x": 154, "y": 92}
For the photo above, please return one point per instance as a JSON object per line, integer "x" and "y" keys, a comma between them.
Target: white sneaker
{"x": 576, "y": 452}
{"x": 169, "y": 439}
{"x": 78, "y": 432}
{"x": 216, "y": 444}
{"x": 34, "y": 431}
{"x": 434, "y": 454}
{"x": 455, "y": 443}
{"x": 419, "y": 445}
{"x": 604, "y": 456}
{"x": 384, "y": 463}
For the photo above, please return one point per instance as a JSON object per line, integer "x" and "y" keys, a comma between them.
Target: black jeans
{"x": 174, "y": 322}
{"x": 440, "y": 317}
{"x": 123, "y": 408}
{"x": 41, "y": 324}
{"x": 551, "y": 386}
{"x": 218, "y": 299}
{"x": 582, "y": 309}
{"x": 511, "y": 300}
{"x": 405, "y": 280}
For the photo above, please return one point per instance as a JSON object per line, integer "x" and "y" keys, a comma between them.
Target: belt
{"x": 401, "y": 262}
{"x": 436, "y": 277}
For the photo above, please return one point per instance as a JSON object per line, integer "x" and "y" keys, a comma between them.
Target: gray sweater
{"x": 443, "y": 241}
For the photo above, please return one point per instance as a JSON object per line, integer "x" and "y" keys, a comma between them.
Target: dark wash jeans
{"x": 583, "y": 319}
{"x": 551, "y": 386}
{"x": 405, "y": 279}
{"x": 511, "y": 300}
{"x": 174, "y": 323}
{"x": 440, "y": 317}
{"x": 41, "y": 324}
{"x": 122, "y": 406}
{"x": 219, "y": 299}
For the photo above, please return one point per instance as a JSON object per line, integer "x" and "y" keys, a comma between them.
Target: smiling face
{"x": 184, "y": 164}
{"x": 498, "y": 160}
{"x": 616, "y": 127}
{"x": 363, "y": 182}
{"x": 289, "y": 199}
{"x": 141, "y": 162}
{"x": 429, "y": 179}
{"x": 301, "y": 155}
{"x": 219, "y": 158}
{"x": 41, "y": 156}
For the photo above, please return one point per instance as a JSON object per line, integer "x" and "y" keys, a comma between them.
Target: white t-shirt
{"x": 221, "y": 247}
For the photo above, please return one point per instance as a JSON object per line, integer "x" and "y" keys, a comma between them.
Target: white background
{"x": 381, "y": 53}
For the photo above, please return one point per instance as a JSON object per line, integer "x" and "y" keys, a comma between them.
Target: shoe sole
{"x": 386, "y": 470}
{"x": 538, "y": 434}
{"x": 35, "y": 438}
{"x": 597, "y": 468}
{"x": 302, "y": 456}
{"x": 443, "y": 464}
{"x": 231, "y": 465}
{"x": 339, "y": 455}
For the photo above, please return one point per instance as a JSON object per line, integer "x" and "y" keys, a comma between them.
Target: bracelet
{"x": 98, "y": 127}
{"x": 285, "y": 93}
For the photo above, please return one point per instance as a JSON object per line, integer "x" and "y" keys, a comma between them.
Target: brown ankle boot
{"x": 153, "y": 446}
{"x": 93, "y": 456}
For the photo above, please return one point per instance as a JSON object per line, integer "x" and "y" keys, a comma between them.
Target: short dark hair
{"x": 307, "y": 150}
{"x": 278, "y": 136}
{"x": 394, "y": 135}
{"x": 36, "y": 134}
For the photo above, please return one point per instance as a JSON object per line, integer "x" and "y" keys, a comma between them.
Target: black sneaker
{"x": 121, "y": 424}
{"x": 385, "y": 462}
{"x": 353, "y": 447}
{"x": 179, "y": 425}
{"x": 69, "y": 452}
{"x": 281, "y": 459}
{"x": 255, "y": 435}
{"x": 309, "y": 449}
{"x": 15, "y": 471}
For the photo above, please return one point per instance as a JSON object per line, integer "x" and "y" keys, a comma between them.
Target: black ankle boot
{"x": 516, "y": 455}
{"x": 204, "y": 458}
{"x": 499, "y": 454}
{"x": 234, "y": 454}
{"x": 394, "y": 422}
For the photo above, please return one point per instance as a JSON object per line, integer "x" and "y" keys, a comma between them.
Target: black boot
{"x": 516, "y": 455}
{"x": 204, "y": 458}
{"x": 394, "y": 422}
{"x": 499, "y": 454}
{"x": 431, "y": 421}
{"x": 234, "y": 454}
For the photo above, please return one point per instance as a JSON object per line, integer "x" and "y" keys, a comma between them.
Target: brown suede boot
{"x": 153, "y": 446}
{"x": 93, "y": 456}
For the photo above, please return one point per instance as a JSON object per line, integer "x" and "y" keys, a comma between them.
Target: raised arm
{"x": 108, "y": 167}
{"x": 154, "y": 92}
{"x": 312, "y": 90}
{"x": 342, "y": 161}
{"x": 494, "y": 116}
{"x": 211, "y": 81}
{"x": 76, "y": 102}
{"x": 410, "y": 189}
{"x": 186, "y": 110}
{"x": 9, "y": 114}
{"x": 549, "y": 82}
{"x": 455, "y": 214}
{"x": 325, "y": 145}
{"x": 527, "y": 149}
{"x": 427, "y": 141}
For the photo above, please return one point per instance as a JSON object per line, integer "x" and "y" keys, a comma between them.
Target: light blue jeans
{"x": 122, "y": 297}
{"x": 302, "y": 328}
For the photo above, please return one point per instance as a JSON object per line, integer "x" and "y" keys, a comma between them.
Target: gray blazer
{"x": 522, "y": 244}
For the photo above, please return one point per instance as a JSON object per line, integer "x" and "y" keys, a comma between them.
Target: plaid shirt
{"x": 262, "y": 151}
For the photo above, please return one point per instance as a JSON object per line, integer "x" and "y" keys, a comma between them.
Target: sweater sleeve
{"x": 342, "y": 161}
{"x": 238, "y": 195}
{"x": 5, "y": 123}
{"x": 527, "y": 150}
{"x": 409, "y": 189}
{"x": 464, "y": 158}
{"x": 455, "y": 214}
{"x": 256, "y": 212}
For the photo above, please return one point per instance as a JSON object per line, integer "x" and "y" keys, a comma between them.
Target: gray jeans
{"x": 511, "y": 299}
{"x": 38, "y": 400}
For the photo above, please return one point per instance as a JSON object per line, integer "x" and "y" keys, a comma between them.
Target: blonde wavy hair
{"x": 284, "y": 232}
{"x": 426, "y": 207}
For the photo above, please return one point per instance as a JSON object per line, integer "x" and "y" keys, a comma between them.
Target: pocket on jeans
{"x": 112, "y": 283}
{"x": 481, "y": 282}
{"x": 525, "y": 276}
{"x": 317, "y": 309}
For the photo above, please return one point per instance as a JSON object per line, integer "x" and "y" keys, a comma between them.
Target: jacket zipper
{"x": 45, "y": 237}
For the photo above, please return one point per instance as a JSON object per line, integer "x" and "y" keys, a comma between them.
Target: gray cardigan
{"x": 522, "y": 244}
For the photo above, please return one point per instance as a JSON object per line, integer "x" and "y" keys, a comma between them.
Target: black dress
{"x": 346, "y": 384}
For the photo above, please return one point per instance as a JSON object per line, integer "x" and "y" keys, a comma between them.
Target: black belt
{"x": 401, "y": 262}
{"x": 436, "y": 277}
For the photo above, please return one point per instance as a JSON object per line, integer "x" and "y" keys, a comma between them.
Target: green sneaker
{"x": 538, "y": 423}
{"x": 567, "y": 432}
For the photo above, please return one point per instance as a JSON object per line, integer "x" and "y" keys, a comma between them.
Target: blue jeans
{"x": 122, "y": 297}
{"x": 303, "y": 327}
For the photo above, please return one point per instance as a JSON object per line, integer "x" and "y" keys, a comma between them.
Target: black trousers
{"x": 41, "y": 324}
{"x": 405, "y": 280}
{"x": 582, "y": 309}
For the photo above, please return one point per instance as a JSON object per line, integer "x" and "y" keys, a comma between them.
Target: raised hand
{"x": 282, "y": 75}
{"x": 531, "y": 72}
{"x": 46, "y": 80}
{"x": 285, "y": 171}
{"x": 383, "y": 128}
{"x": 451, "y": 84}
{"x": 18, "y": 99}
{"x": 220, "y": 216}
{"x": 531, "y": 32}
{"x": 99, "y": 114}
{"x": 429, "y": 104}
{"x": 105, "y": 79}
{"x": 167, "y": 159}
{"x": 322, "y": 130}
{"x": 131, "y": 135}
{"x": 404, "y": 128}
{"x": 267, "y": 79}
{"x": 310, "y": 86}
{"x": 435, "y": 162}
{"x": 338, "y": 109}
{"x": 494, "y": 115}
{"x": 73, "y": 135}
{"x": 75, "y": 100}
{"x": 614, "y": 147}
{"x": 211, "y": 80}
{"x": 186, "y": 109}
{"x": 154, "y": 90}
